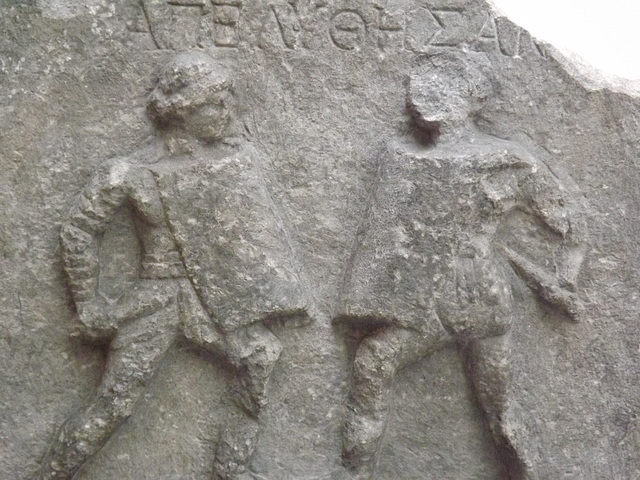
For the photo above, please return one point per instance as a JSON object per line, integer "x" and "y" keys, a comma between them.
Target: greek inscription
{"x": 179, "y": 24}
{"x": 301, "y": 25}
{"x": 348, "y": 30}
{"x": 488, "y": 30}
{"x": 487, "y": 38}
{"x": 513, "y": 40}
{"x": 528, "y": 44}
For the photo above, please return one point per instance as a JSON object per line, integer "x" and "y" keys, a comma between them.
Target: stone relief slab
{"x": 315, "y": 239}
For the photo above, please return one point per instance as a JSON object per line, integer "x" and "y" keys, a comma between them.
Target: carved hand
{"x": 567, "y": 302}
{"x": 94, "y": 323}
{"x": 546, "y": 286}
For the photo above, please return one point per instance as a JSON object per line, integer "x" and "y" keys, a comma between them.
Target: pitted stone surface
{"x": 351, "y": 239}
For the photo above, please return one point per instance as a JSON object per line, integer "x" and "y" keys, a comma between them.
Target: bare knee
{"x": 375, "y": 366}
{"x": 489, "y": 357}
{"x": 254, "y": 348}
{"x": 376, "y": 358}
{"x": 383, "y": 354}
{"x": 253, "y": 352}
{"x": 266, "y": 350}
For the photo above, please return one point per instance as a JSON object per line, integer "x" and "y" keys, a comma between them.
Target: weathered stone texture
{"x": 320, "y": 114}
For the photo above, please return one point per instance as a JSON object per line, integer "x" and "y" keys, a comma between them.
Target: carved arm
{"x": 90, "y": 216}
{"x": 544, "y": 196}
{"x": 547, "y": 286}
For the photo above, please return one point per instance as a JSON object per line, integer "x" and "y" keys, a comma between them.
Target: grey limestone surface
{"x": 312, "y": 239}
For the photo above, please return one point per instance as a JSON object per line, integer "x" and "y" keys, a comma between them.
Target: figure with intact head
{"x": 190, "y": 265}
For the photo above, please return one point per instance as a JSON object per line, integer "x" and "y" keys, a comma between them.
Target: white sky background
{"x": 604, "y": 33}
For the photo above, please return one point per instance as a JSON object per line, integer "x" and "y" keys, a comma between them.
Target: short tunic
{"x": 233, "y": 239}
{"x": 427, "y": 254}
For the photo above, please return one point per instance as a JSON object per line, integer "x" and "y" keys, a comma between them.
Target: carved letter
{"x": 508, "y": 36}
{"x": 487, "y": 39}
{"x": 226, "y": 14}
{"x": 422, "y": 28}
{"x": 288, "y": 23}
{"x": 453, "y": 28}
{"x": 389, "y": 26}
{"x": 348, "y": 30}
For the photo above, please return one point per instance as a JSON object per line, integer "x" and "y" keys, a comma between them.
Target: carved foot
{"x": 513, "y": 458}
{"x": 232, "y": 476}
{"x": 49, "y": 472}
{"x": 364, "y": 473}
{"x": 234, "y": 452}
{"x": 360, "y": 446}
{"x": 352, "y": 475}
{"x": 64, "y": 459}
{"x": 359, "y": 471}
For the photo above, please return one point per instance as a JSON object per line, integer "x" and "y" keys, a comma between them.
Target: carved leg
{"x": 488, "y": 366}
{"x": 134, "y": 357}
{"x": 377, "y": 360}
{"x": 254, "y": 352}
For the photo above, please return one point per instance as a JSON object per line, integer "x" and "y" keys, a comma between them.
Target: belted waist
{"x": 163, "y": 265}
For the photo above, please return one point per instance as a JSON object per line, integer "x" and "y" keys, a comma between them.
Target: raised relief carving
{"x": 431, "y": 269}
{"x": 220, "y": 288}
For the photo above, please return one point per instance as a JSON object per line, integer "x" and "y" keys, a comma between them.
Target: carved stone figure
{"x": 252, "y": 281}
{"x": 430, "y": 269}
